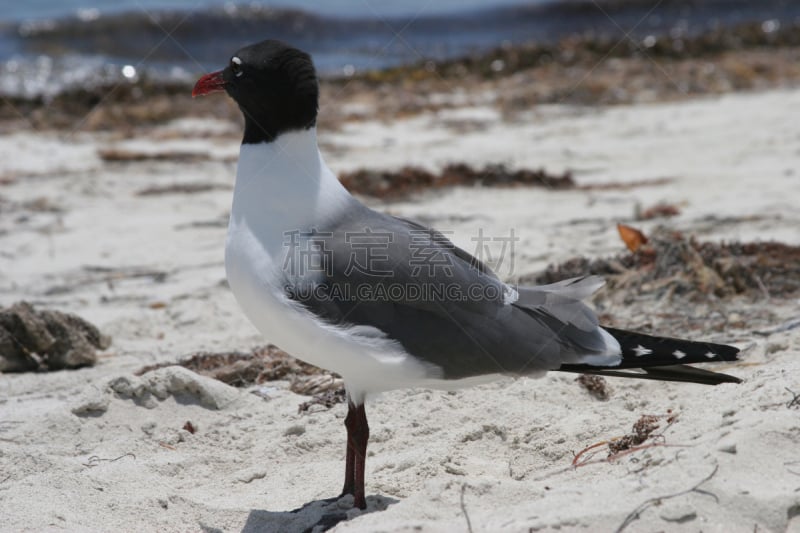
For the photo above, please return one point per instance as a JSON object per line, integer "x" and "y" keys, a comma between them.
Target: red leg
{"x": 357, "y": 437}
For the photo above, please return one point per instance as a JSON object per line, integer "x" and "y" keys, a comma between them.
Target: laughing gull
{"x": 386, "y": 302}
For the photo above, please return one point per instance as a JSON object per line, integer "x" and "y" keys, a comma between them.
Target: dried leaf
{"x": 632, "y": 237}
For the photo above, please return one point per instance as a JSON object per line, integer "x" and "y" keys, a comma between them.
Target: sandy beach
{"x": 127, "y": 231}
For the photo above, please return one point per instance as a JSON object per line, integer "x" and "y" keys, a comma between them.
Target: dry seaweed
{"x": 262, "y": 364}
{"x": 594, "y": 385}
{"x": 660, "y": 210}
{"x": 672, "y": 264}
{"x": 118, "y": 155}
{"x": 180, "y": 188}
{"x": 325, "y": 399}
{"x": 641, "y": 431}
{"x": 410, "y": 180}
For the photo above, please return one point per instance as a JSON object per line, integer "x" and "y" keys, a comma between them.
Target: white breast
{"x": 281, "y": 187}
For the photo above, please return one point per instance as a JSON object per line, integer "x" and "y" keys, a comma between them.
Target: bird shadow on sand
{"x": 315, "y": 516}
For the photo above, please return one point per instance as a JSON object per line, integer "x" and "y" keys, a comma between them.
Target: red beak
{"x": 210, "y": 83}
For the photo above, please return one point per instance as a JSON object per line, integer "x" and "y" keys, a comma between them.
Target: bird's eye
{"x": 236, "y": 66}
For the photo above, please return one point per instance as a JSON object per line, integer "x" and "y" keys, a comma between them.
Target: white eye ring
{"x": 236, "y": 70}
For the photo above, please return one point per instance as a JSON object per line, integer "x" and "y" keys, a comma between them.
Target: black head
{"x": 275, "y": 86}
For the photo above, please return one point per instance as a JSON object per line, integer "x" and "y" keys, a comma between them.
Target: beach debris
{"x": 626, "y": 185}
{"x": 32, "y": 340}
{"x": 659, "y": 210}
{"x": 686, "y": 515}
{"x": 597, "y": 386}
{"x": 93, "y": 402}
{"x": 632, "y": 237}
{"x": 325, "y": 399}
{"x": 96, "y": 460}
{"x": 181, "y": 188}
{"x": 188, "y": 426}
{"x": 409, "y": 180}
{"x": 119, "y": 155}
{"x": 643, "y": 430}
{"x": 671, "y": 264}
{"x": 261, "y": 364}
{"x": 464, "y": 507}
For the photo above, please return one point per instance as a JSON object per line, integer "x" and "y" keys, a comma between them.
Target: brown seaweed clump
{"x": 597, "y": 386}
{"x": 262, "y": 364}
{"x": 46, "y": 340}
{"x": 641, "y": 431}
{"x": 410, "y": 180}
{"x": 671, "y": 264}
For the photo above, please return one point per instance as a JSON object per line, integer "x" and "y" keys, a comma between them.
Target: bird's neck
{"x": 285, "y": 185}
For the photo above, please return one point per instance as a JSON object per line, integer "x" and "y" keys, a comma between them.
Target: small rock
{"x": 727, "y": 446}
{"x": 174, "y": 381}
{"x": 46, "y": 340}
{"x": 148, "y": 428}
{"x": 450, "y": 468}
{"x": 125, "y": 386}
{"x": 774, "y": 347}
{"x": 180, "y": 381}
{"x": 131, "y": 387}
{"x": 295, "y": 430}
{"x": 251, "y": 475}
{"x": 678, "y": 512}
{"x": 94, "y": 403}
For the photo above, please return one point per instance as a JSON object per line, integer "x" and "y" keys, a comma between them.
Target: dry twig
{"x": 634, "y": 515}
{"x": 795, "y": 401}
{"x": 464, "y": 508}
{"x": 95, "y": 460}
{"x": 792, "y": 463}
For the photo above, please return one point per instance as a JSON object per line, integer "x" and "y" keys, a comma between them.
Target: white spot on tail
{"x": 641, "y": 350}
{"x": 510, "y": 295}
{"x": 679, "y": 354}
{"x": 711, "y": 355}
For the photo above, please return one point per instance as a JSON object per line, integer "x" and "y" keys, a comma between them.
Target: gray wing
{"x": 439, "y": 302}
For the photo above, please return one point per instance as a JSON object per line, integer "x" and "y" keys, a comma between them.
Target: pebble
{"x": 677, "y": 512}
{"x": 94, "y": 403}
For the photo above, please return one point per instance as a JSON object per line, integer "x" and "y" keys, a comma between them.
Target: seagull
{"x": 385, "y": 302}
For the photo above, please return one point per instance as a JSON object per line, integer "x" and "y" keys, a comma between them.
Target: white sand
{"x": 499, "y": 454}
